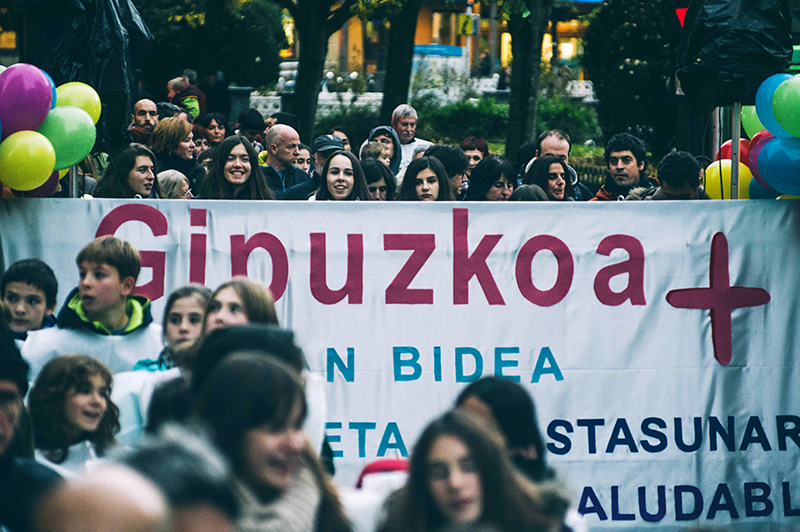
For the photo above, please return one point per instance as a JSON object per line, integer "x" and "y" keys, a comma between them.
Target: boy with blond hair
{"x": 102, "y": 317}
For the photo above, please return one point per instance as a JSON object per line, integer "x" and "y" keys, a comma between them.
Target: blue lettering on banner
{"x": 347, "y": 370}
{"x": 655, "y": 435}
{"x": 688, "y": 502}
{"x": 391, "y": 439}
{"x": 551, "y": 367}
{"x": 500, "y": 362}
{"x": 392, "y": 432}
{"x": 477, "y": 358}
{"x": 400, "y": 363}
{"x": 334, "y": 438}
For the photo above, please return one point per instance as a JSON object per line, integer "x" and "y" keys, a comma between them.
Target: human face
{"x": 268, "y": 123}
{"x": 385, "y": 158}
{"x": 457, "y": 182}
{"x": 185, "y": 191}
{"x": 377, "y": 190}
{"x": 453, "y": 481}
{"x": 473, "y": 158}
{"x": 427, "y": 185}
{"x": 340, "y": 178}
{"x": 10, "y": 409}
{"x": 28, "y": 306}
{"x": 406, "y": 127}
{"x": 224, "y": 310}
{"x": 171, "y": 92}
{"x": 145, "y": 114}
{"x": 344, "y": 138}
{"x": 200, "y": 145}
{"x": 101, "y": 289}
{"x": 303, "y": 161}
{"x": 624, "y": 168}
{"x": 185, "y": 148}
{"x": 184, "y": 321}
{"x": 556, "y": 147}
{"x": 85, "y": 405}
{"x": 500, "y": 189}
{"x": 142, "y": 176}
{"x": 556, "y": 182}
{"x": 215, "y": 132}
{"x": 272, "y": 455}
{"x": 237, "y": 166}
{"x": 386, "y": 140}
{"x": 287, "y": 148}
{"x": 684, "y": 192}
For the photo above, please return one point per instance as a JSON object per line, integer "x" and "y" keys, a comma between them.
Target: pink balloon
{"x": 44, "y": 191}
{"x": 25, "y": 98}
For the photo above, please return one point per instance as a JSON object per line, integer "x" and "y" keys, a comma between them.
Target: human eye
{"x": 214, "y": 306}
{"x": 627, "y": 160}
{"x": 34, "y": 300}
{"x": 246, "y": 158}
{"x": 348, "y": 171}
{"x": 195, "y": 319}
{"x": 236, "y": 308}
{"x": 419, "y": 182}
{"x": 437, "y": 471}
{"x": 498, "y": 184}
{"x": 372, "y": 189}
{"x": 174, "y": 319}
{"x": 11, "y": 297}
{"x": 382, "y": 189}
{"x": 468, "y": 465}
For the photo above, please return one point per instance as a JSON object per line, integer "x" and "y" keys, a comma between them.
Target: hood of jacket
{"x": 394, "y": 164}
{"x": 73, "y": 316}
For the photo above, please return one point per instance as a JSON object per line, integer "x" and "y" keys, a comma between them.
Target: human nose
{"x": 376, "y": 194}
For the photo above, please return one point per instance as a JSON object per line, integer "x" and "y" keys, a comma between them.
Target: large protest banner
{"x": 659, "y": 339}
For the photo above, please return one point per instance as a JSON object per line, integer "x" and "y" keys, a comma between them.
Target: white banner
{"x": 659, "y": 339}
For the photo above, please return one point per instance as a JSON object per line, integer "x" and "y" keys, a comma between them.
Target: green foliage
{"x": 251, "y": 38}
{"x": 626, "y": 57}
{"x": 454, "y": 122}
{"x": 358, "y": 120}
{"x": 576, "y": 118}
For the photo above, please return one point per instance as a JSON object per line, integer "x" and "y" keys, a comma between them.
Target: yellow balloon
{"x": 26, "y": 160}
{"x": 81, "y": 95}
{"x": 717, "y": 180}
{"x": 788, "y": 196}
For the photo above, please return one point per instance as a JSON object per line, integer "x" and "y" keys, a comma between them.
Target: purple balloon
{"x": 25, "y": 98}
{"x": 755, "y": 150}
{"x": 43, "y": 191}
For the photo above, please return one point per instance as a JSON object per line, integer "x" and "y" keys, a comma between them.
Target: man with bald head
{"x": 143, "y": 119}
{"x": 112, "y": 498}
{"x": 282, "y": 144}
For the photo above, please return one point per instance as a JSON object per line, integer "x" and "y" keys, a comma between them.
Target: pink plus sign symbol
{"x": 721, "y": 298}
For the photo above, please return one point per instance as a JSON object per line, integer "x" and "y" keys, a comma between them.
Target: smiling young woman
{"x": 344, "y": 179}
{"x": 131, "y": 173}
{"x": 234, "y": 173}
{"x": 73, "y": 419}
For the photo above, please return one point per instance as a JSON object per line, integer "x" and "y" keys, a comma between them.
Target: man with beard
{"x": 626, "y": 158}
{"x": 143, "y": 119}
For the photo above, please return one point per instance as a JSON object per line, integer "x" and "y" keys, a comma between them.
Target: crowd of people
{"x": 212, "y": 420}
{"x": 178, "y": 150}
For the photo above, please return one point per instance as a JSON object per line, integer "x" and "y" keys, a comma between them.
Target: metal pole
{"x": 469, "y": 39}
{"x": 493, "y": 36}
{"x": 73, "y": 182}
{"x": 736, "y": 125}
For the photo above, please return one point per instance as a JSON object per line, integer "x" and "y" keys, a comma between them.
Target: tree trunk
{"x": 400, "y": 57}
{"x": 213, "y": 29}
{"x": 526, "y": 48}
{"x": 311, "y": 61}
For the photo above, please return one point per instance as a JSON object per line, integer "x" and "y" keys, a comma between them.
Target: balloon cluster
{"x": 43, "y": 129}
{"x": 771, "y": 157}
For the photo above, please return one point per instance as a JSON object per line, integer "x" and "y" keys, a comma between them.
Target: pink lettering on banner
{"x": 422, "y": 246}
{"x": 353, "y": 288}
{"x": 721, "y": 298}
{"x": 158, "y": 224}
{"x": 566, "y": 270}
{"x": 197, "y": 247}
{"x": 466, "y": 266}
{"x": 241, "y": 250}
{"x": 634, "y": 267}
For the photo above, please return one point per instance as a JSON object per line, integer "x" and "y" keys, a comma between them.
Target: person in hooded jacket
{"x": 387, "y": 136}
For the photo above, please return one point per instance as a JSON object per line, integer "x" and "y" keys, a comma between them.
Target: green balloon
{"x": 72, "y": 133}
{"x": 786, "y": 106}
{"x": 750, "y": 121}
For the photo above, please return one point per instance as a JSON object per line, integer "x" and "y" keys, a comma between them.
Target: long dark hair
{"x": 114, "y": 183}
{"x": 485, "y": 174}
{"x": 375, "y": 170}
{"x": 509, "y": 500}
{"x": 359, "y": 191}
{"x": 513, "y": 409}
{"x": 215, "y": 186}
{"x": 408, "y": 190}
{"x": 46, "y": 404}
{"x": 539, "y": 174}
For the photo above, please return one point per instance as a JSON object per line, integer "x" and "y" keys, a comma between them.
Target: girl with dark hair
{"x": 343, "y": 179}
{"x": 380, "y": 181}
{"x": 344, "y": 134}
{"x": 491, "y": 180}
{"x": 458, "y": 474}
{"x": 425, "y": 180}
{"x": 216, "y": 126}
{"x": 234, "y": 173}
{"x": 131, "y": 173}
{"x": 505, "y": 408}
{"x": 239, "y": 301}
{"x": 74, "y": 421}
{"x": 552, "y": 175}
{"x": 255, "y": 407}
